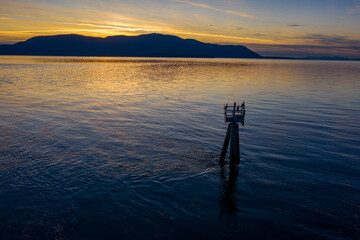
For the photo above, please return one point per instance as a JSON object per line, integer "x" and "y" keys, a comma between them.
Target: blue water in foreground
{"x": 128, "y": 148}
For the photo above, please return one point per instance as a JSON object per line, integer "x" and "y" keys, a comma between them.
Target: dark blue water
{"x": 128, "y": 148}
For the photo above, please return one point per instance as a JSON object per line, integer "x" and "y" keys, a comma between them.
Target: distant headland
{"x": 146, "y": 45}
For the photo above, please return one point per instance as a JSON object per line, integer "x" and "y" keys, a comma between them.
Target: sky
{"x": 291, "y": 28}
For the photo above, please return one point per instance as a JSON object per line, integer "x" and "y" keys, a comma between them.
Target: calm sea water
{"x": 128, "y": 148}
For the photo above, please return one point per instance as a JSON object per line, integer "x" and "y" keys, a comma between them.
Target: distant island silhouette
{"x": 146, "y": 45}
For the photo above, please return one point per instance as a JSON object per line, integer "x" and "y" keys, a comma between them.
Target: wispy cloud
{"x": 354, "y": 10}
{"x": 295, "y": 25}
{"x": 329, "y": 40}
{"x": 24, "y": 7}
{"x": 114, "y": 27}
{"x": 200, "y": 5}
{"x": 226, "y": 36}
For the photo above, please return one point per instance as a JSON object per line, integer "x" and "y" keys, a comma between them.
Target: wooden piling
{"x": 237, "y": 145}
{"x": 226, "y": 144}
{"x": 234, "y": 144}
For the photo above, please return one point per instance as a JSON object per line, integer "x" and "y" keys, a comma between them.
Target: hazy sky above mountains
{"x": 278, "y": 27}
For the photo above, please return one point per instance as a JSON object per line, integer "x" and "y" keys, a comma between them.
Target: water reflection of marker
{"x": 228, "y": 203}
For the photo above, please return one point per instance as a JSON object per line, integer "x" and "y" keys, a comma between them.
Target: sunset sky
{"x": 277, "y": 28}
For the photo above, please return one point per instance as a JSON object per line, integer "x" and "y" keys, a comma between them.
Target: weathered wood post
{"x": 225, "y": 145}
{"x": 234, "y": 145}
{"x": 233, "y": 116}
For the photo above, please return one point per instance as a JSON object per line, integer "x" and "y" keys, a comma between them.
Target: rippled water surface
{"x": 128, "y": 148}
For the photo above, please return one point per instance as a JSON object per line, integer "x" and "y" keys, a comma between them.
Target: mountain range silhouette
{"x": 146, "y": 45}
